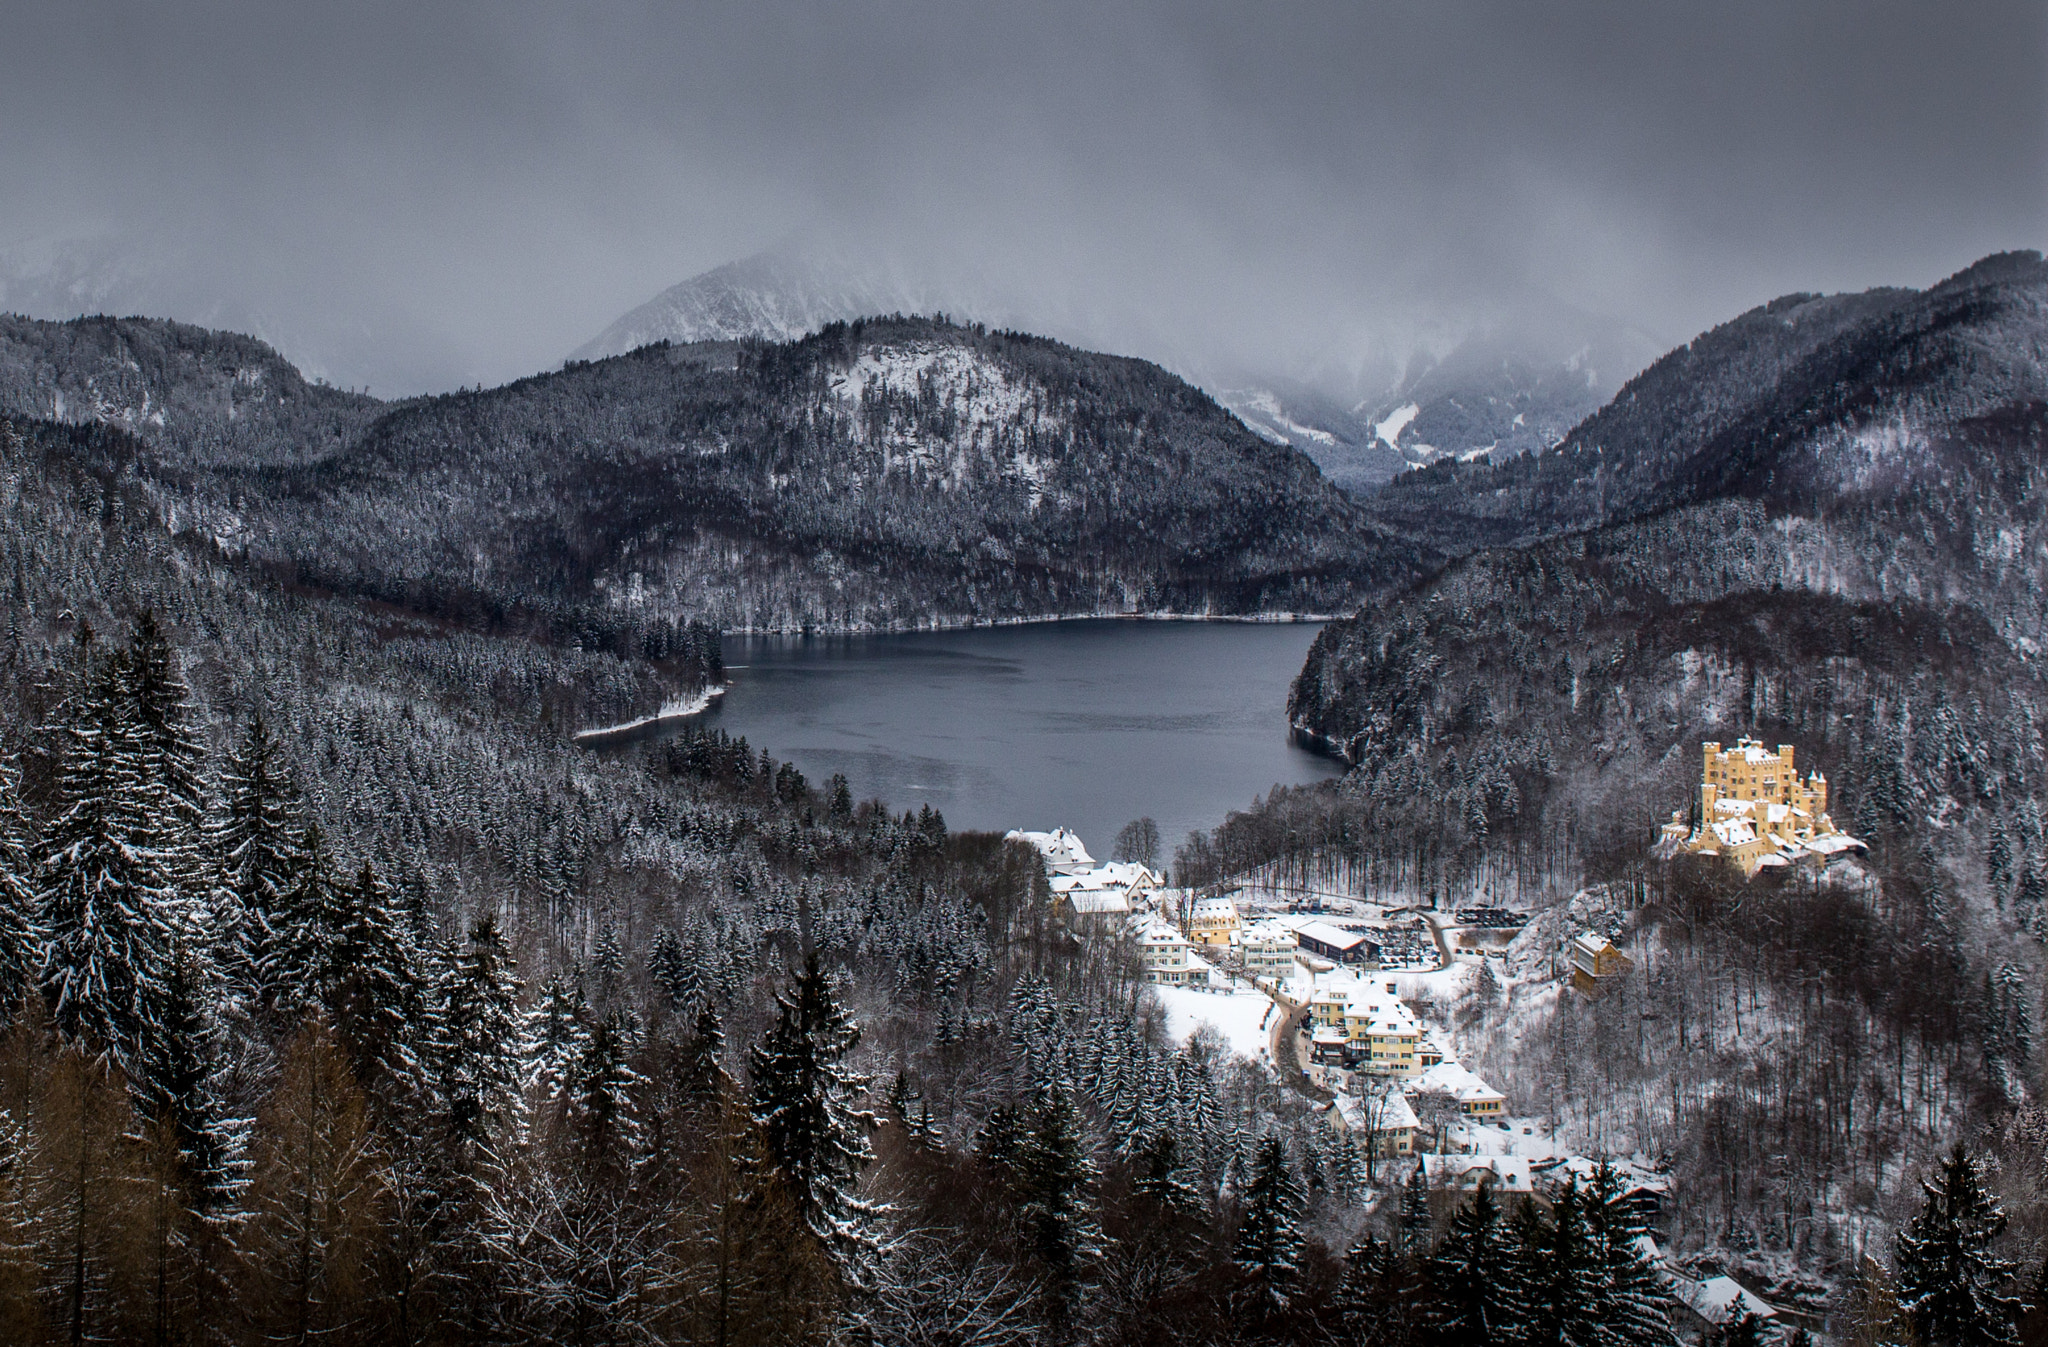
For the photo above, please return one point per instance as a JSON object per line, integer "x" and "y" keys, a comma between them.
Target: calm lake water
{"x": 1086, "y": 725}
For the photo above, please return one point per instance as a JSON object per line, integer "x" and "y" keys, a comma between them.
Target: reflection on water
{"x": 1086, "y": 724}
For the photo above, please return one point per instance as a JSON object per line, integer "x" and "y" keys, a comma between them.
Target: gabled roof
{"x": 1335, "y": 937}
{"x": 1454, "y": 1080}
{"x": 1394, "y": 1115}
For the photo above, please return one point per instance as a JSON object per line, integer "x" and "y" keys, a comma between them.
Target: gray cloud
{"x": 419, "y": 195}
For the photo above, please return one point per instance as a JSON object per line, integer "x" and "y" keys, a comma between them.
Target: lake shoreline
{"x": 1046, "y": 619}
{"x": 649, "y": 727}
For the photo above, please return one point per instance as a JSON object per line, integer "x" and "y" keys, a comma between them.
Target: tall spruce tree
{"x": 1470, "y": 1277}
{"x": 299, "y": 957}
{"x": 478, "y": 1041}
{"x": 1052, "y": 1173}
{"x": 253, "y": 838}
{"x": 170, "y": 754}
{"x": 1951, "y": 1287}
{"x": 1269, "y": 1234}
{"x": 1633, "y": 1304}
{"x": 19, "y": 939}
{"x": 1376, "y": 1300}
{"x": 106, "y": 898}
{"x": 1558, "y": 1281}
{"x": 802, "y": 1099}
{"x": 371, "y": 985}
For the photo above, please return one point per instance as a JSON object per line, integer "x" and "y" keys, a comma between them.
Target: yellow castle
{"x": 1756, "y": 812}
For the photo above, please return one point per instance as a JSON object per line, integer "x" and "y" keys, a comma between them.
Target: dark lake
{"x": 1086, "y": 725}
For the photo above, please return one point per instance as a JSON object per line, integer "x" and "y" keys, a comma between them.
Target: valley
{"x": 312, "y": 671}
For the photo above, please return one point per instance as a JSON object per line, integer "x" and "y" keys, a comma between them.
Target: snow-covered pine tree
{"x": 171, "y": 755}
{"x": 1158, "y": 1178}
{"x": 106, "y": 900}
{"x": 1951, "y": 1287}
{"x": 252, "y": 839}
{"x": 608, "y": 963}
{"x": 1634, "y": 1308}
{"x": 1376, "y": 1301}
{"x": 1470, "y": 1276}
{"x": 700, "y": 1064}
{"x": 1053, "y": 1173}
{"x": 802, "y": 1099}
{"x": 477, "y": 1048}
{"x": 1558, "y": 1283}
{"x": 673, "y": 973}
{"x": 185, "y": 1087}
{"x": 553, "y": 1037}
{"x": 1269, "y": 1235}
{"x": 297, "y": 957}
{"x": 19, "y": 940}
{"x": 1416, "y": 1222}
{"x": 601, "y": 1085}
{"x": 373, "y": 987}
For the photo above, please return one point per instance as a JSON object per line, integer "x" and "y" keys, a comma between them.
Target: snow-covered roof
{"x": 1718, "y": 1300}
{"x": 1394, "y": 1113}
{"x": 1158, "y": 934}
{"x": 1215, "y": 909}
{"x": 1454, "y": 1080}
{"x": 1384, "y": 1015}
{"x": 1510, "y": 1173}
{"x": 1336, "y": 937}
{"x": 1062, "y": 850}
{"x": 1266, "y": 932}
{"x": 1734, "y": 833}
{"x": 1592, "y": 942}
{"x": 1830, "y": 843}
{"x": 1632, "y": 1175}
{"x": 1098, "y": 902}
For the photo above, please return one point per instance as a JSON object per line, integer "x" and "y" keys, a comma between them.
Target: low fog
{"x": 412, "y": 197}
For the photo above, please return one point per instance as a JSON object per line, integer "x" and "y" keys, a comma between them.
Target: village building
{"x": 1107, "y": 891}
{"x": 1595, "y": 962}
{"x": 1464, "y": 1173}
{"x": 1326, "y": 1006}
{"x": 1757, "y": 813}
{"x": 1164, "y": 954}
{"x": 1337, "y": 944}
{"x": 1383, "y": 1035}
{"x": 1475, "y": 1098}
{"x": 1384, "y": 1121}
{"x": 1063, "y": 852}
{"x": 1213, "y": 921}
{"x": 1267, "y": 950}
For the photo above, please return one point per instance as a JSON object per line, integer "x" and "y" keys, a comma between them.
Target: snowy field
{"x": 1240, "y": 1016}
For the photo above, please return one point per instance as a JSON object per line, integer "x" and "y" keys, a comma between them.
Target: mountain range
{"x": 889, "y": 473}
{"x": 1484, "y": 388}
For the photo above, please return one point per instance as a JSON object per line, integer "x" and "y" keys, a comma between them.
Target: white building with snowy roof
{"x": 1063, "y": 852}
{"x": 1476, "y": 1099}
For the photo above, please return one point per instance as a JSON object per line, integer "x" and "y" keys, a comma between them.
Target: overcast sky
{"x": 418, "y": 194}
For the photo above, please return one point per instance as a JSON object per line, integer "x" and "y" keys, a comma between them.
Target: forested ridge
{"x": 884, "y": 473}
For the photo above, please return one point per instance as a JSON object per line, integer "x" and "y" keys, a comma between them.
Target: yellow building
{"x": 1756, "y": 812}
{"x": 1213, "y": 921}
{"x": 1384, "y": 1037}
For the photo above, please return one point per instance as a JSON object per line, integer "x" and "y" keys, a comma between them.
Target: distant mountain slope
{"x": 1791, "y": 401}
{"x": 783, "y": 295}
{"x": 1826, "y": 521}
{"x": 903, "y": 472}
{"x": 1500, "y": 388}
{"x": 201, "y": 397}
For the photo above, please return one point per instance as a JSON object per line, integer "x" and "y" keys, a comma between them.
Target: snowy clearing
{"x": 1243, "y": 1017}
